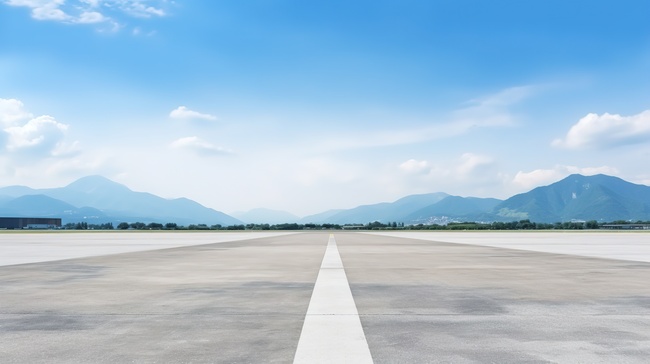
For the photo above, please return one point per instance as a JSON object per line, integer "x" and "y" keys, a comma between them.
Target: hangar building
{"x": 29, "y": 223}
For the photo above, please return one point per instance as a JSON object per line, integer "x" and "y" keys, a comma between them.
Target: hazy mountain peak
{"x": 95, "y": 183}
{"x": 598, "y": 197}
{"x": 106, "y": 200}
{"x": 17, "y": 191}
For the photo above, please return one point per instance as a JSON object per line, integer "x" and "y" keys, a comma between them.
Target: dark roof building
{"x": 29, "y": 223}
{"x": 626, "y": 226}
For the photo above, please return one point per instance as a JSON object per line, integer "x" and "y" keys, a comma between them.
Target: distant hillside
{"x": 319, "y": 218}
{"x": 95, "y": 199}
{"x": 578, "y": 197}
{"x": 116, "y": 202}
{"x": 45, "y": 206}
{"x": 17, "y": 191}
{"x": 386, "y": 211}
{"x": 455, "y": 207}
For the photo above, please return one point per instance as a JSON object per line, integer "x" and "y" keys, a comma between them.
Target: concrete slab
{"x": 246, "y": 301}
{"x": 20, "y": 247}
{"x": 432, "y": 302}
{"x": 232, "y": 302}
{"x": 625, "y": 245}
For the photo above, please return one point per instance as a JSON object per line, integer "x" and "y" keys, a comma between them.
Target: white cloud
{"x": 26, "y": 136}
{"x": 91, "y": 17}
{"x": 183, "y": 112}
{"x": 12, "y": 111}
{"x": 472, "y": 166}
{"x": 493, "y": 110}
{"x": 50, "y": 12}
{"x": 139, "y": 9}
{"x": 200, "y": 146}
{"x": 607, "y": 130}
{"x": 80, "y": 166}
{"x": 64, "y": 149}
{"x": 90, "y": 11}
{"x": 40, "y": 135}
{"x": 488, "y": 112}
{"x": 415, "y": 166}
{"x": 468, "y": 172}
{"x": 543, "y": 177}
{"x": 92, "y": 3}
{"x": 43, "y": 9}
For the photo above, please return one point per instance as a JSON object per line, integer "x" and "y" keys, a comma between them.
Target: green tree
{"x": 138, "y": 225}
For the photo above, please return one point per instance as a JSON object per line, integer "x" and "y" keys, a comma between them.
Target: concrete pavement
{"x": 231, "y": 302}
{"x": 418, "y": 301}
{"x": 434, "y": 302}
{"x": 20, "y": 247}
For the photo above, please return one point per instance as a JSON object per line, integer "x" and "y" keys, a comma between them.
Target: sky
{"x": 306, "y": 106}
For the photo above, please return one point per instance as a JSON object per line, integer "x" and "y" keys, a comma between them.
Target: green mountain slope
{"x": 578, "y": 197}
{"x": 456, "y": 207}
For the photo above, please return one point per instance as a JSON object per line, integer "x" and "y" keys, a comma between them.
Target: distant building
{"x": 29, "y": 223}
{"x": 626, "y": 226}
{"x": 353, "y": 227}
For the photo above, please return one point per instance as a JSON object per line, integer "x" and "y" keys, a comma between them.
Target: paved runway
{"x": 418, "y": 301}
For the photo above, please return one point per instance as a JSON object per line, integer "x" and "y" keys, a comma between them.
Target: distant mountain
{"x": 36, "y": 205}
{"x": 4, "y": 198}
{"x": 98, "y": 200}
{"x": 455, "y": 207}
{"x": 45, "y": 206}
{"x": 386, "y": 211}
{"x": 17, "y": 191}
{"x": 266, "y": 216}
{"x": 578, "y": 197}
{"x": 319, "y": 218}
{"x": 117, "y": 202}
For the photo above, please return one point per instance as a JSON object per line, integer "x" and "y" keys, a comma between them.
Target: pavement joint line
{"x": 143, "y": 314}
{"x": 365, "y": 315}
{"x": 332, "y": 314}
{"x": 332, "y": 331}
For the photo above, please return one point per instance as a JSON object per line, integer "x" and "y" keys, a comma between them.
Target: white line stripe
{"x": 332, "y": 331}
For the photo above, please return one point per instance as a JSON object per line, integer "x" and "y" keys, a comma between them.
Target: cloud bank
{"x": 12, "y": 111}
{"x": 415, "y": 166}
{"x": 491, "y": 111}
{"x": 183, "y": 113}
{"x": 478, "y": 171}
{"x": 25, "y": 135}
{"x": 606, "y": 131}
{"x": 90, "y": 11}
{"x": 543, "y": 177}
{"x": 199, "y": 146}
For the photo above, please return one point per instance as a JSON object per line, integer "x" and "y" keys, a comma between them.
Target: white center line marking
{"x": 332, "y": 331}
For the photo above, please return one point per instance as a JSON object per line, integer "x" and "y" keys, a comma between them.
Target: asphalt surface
{"x": 419, "y": 301}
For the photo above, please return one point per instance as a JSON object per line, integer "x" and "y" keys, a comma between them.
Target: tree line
{"x": 375, "y": 225}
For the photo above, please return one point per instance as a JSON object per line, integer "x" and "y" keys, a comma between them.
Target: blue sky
{"x": 306, "y": 106}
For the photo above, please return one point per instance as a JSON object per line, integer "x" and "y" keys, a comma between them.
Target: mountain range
{"x": 577, "y": 197}
{"x": 95, "y": 199}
